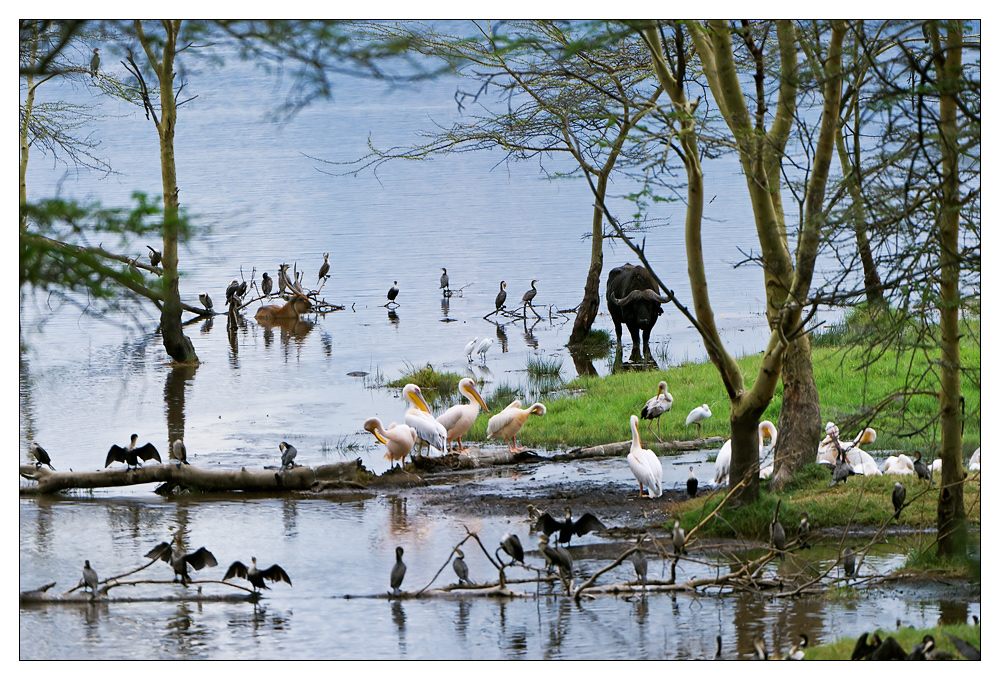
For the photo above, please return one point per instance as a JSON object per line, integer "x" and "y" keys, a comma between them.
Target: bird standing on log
{"x": 40, "y": 455}
{"x": 398, "y": 572}
{"x": 548, "y": 525}
{"x": 509, "y": 422}
{"x": 393, "y": 292}
{"x": 444, "y": 282}
{"x": 274, "y": 573}
{"x": 90, "y": 579}
{"x": 179, "y": 452}
{"x": 656, "y": 407}
{"x": 205, "y": 300}
{"x": 287, "y": 454}
{"x": 180, "y": 561}
{"x": 640, "y": 564}
{"x": 324, "y": 268}
{"x": 847, "y": 559}
{"x": 501, "y": 296}
{"x": 131, "y": 455}
{"x": 398, "y": 439}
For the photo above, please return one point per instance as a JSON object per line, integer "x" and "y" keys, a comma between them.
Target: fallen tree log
{"x": 75, "y": 596}
{"x": 301, "y": 478}
{"x": 622, "y": 448}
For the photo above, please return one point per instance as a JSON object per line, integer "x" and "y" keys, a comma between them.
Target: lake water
{"x": 88, "y": 381}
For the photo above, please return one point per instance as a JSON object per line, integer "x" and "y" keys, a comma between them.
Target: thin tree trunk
{"x": 951, "y": 517}
{"x": 799, "y": 424}
{"x": 590, "y": 306}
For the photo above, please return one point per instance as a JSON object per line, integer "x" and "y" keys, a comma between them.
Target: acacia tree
{"x": 545, "y": 88}
{"x": 787, "y": 283}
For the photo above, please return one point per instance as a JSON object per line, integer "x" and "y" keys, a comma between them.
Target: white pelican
{"x": 419, "y": 417}
{"x": 698, "y": 414}
{"x": 898, "y": 465}
{"x": 765, "y": 429}
{"x": 826, "y": 454}
{"x": 398, "y": 439}
{"x": 861, "y": 461}
{"x": 509, "y": 422}
{"x": 936, "y": 465}
{"x": 646, "y": 467}
{"x": 483, "y": 347}
{"x": 471, "y": 348}
{"x": 974, "y": 461}
{"x": 656, "y": 407}
{"x": 459, "y": 418}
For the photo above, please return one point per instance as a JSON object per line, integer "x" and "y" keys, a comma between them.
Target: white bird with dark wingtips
{"x": 656, "y": 407}
{"x": 698, "y": 414}
{"x": 398, "y": 439}
{"x": 765, "y": 429}
{"x": 646, "y": 467}
{"x": 419, "y": 417}
{"x": 459, "y": 418}
{"x": 508, "y": 422}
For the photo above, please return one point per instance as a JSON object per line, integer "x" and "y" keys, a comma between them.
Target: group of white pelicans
{"x": 420, "y": 428}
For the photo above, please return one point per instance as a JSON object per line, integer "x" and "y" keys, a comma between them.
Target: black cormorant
{"x": 530, "y": 295}
{"x": 40, "y": 455}
{"x": 179, "y": 452}
{"x": 274, "y": 573}
{"x": 205, "y": 300}
{"x": 154, "y": 256}
{"x": 804, "y": 530}
{"x": 180, "y": 562}
{"x": 546, "y": 524}
{"x": 692, "y": 483}
{"x": 324, "y": 268}
{"x": 398, "y": 572}
{"x": 287, "y": 454}
{"x": 640, "y": 564}
{"x": 95, "y": 63}
{"x": 778, "y": 534}
{"x": 898, "y": 498}
{"x": 461, "y": 568}
{"x": 511, "y": 545}
{"x": 393, "y": 292}
{"x": 444, "y": 281}
{"x": 679, "y": 538}
{"x": 131, "y": 455}
{"x": 266, "y": 284}
{"x": 847, "y": 558}
{"x": 89, "y": 577}
{"x": 921, "y": 468}
{"x": 501, "y": 296}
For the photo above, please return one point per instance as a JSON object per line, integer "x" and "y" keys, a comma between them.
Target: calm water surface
{"x": 87, "y": 381}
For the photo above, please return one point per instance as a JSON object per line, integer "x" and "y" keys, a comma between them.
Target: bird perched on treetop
{"x": 546, "y": 524}
{"x": 95, "y": 63}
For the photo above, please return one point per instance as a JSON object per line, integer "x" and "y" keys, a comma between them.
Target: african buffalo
{"x": 634, "y": 298}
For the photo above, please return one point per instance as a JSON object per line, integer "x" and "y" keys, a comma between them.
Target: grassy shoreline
{"x": 598, "y": 410}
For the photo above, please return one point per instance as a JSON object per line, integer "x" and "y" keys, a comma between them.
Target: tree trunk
{"x": 744, "y": 466}
{"x": 800, "y": 425}
{"x": 951, "y": 518}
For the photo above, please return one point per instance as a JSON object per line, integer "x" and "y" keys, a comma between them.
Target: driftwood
{"x": 621, "y": 448}
{"x": 76, "y": 597}
{"x": 299, "y": 478}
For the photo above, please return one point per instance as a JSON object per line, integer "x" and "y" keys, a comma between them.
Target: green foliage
{"x": 907, "y": 637}
{"x": 542, "y": 367}
{"x": 597, "y": 344}
{"x": 433, "y": 385}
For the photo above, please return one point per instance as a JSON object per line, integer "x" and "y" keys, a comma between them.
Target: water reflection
{"x": 394, "y": 318}
{"x": 398, "y": 521}
{"x": 178, "y": 379}
{"x": 529, "y": 334}
{"x": 399, "y": 618}
{"x": 445, "y": 306}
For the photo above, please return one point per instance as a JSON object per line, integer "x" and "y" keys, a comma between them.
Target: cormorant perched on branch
{"x": 393, "y": 292}
{"x": 546, "y": 524}
{"x": 266, "y": 284}
{"x": 398, "y": 572}
{"x": 287, "y": 454}
{"x": 131, "y": 455}
{"x": 274, "y": 573}
{"x": 205, "y": 300}
{"x": 40, "y": 455}
{"x": 444, "y": 282}
{"x": 501, "y": 296}
{"x": 90, "y": 579}
{"x": 95, "y": 63}
{"x": 461, "y": 568}
{"x": 199, "y": 559}
{"x": 511, "y": 545}
{"x": 154, "y": 256}
{"x": 324, "y": 268}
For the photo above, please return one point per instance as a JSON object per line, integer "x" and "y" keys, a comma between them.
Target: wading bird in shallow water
{"x": 692, "y": 483}
{"x": 287, "y": 454}
{"x": 90, "y": 579}
{"x": 470, "y": 349}
{"x": 131, "y": 455}
{"x": 398, "y": 572}
{"x": 393, "y": 292}
{"x": 398, "y": 439}
{"x": 179, "y": 452}
{"x": 656, "y": 407}
{"x": 508, "y": 423}
{"x": 324, "y": 268}
{"x": 429, "y": 431}
{"x": 180, "y": 561}
{"x": 483, "y": 347}
{"x": 501, "y": 296}
{"x": 459, "y": 419}
{"x": 765, "y": 430}
{"x": 511, "y": 545}
{"x": 646, "y": 467}
{"x": 548, "y": 525}
{"x": 256, "y": 576}
{"x": 698, "y": 414}
{"x": 40, "y": 455}
{"x": 462, "y": 569}
{"x": 444, "y": 282}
